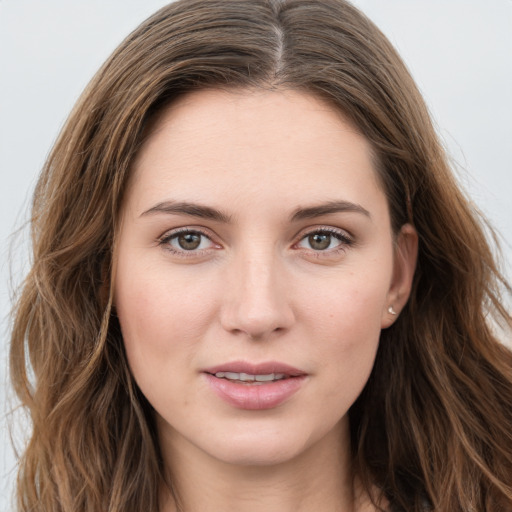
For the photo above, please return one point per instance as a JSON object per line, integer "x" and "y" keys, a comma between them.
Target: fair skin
{"x": 255, "y": 232}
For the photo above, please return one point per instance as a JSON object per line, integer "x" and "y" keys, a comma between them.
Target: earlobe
{"x": 405, "y": 257}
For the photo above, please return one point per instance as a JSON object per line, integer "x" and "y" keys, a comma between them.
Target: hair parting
{"x": 432, "y": 430}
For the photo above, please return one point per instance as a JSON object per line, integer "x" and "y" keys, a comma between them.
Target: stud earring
{"x": 391, "y": 311}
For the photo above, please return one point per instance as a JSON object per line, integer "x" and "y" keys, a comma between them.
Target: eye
{"x": 325, "y": 240}
{"x": 187, "y": 240}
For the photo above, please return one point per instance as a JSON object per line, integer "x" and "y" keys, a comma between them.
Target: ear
{"x": 404, "y": 265}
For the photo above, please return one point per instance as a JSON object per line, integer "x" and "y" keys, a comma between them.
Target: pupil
{"x": 319, "y": 241}
{"x": 189, "y": 241}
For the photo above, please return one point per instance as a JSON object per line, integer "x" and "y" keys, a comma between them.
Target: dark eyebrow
{"x": 192, "y": 209}
{"x": 327, "y": 208}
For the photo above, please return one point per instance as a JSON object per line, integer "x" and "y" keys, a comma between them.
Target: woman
{"x": 256, "y": 284}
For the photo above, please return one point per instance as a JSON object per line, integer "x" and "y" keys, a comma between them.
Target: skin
{"x": 258, "y": 288}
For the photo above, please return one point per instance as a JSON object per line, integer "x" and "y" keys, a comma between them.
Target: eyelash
{"x": 166, "y": 239}
{"x": 342, "y": 236}
{"x": 344, "y": 239}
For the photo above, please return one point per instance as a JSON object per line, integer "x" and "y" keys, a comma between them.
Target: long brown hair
{"x": 433, "y": 426}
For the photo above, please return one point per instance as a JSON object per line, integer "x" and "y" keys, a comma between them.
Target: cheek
{"x": 161, "y": 317}
{"x": 350, "y": 306}
{"x": 346, "y": 320}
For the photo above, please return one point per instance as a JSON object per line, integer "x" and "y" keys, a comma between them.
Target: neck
{"x": 320, "y": 478}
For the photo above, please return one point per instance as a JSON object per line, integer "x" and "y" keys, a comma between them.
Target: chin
{"x": 258, "y": 453}
{"x": 266, "y": 447}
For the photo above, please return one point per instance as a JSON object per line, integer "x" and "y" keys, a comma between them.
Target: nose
{"x": 256, "y": 301}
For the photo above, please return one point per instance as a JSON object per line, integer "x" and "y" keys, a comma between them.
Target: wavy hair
{"x": 432, "y": 429}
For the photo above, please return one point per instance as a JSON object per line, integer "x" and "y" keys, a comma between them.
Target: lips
{"x": 256, "y": 369}
{"x": 254, "y": 386}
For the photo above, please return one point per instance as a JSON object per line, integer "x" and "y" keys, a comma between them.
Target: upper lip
{"x": 265, "y": 368}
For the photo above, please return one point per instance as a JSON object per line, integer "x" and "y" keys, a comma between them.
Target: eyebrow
{"x": 207, "y": 212}
{"x": 191, "y": 209}
{"x": 328, "y": 208}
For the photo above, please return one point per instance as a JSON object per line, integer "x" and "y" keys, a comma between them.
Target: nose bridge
{"x": 257, "y": 302}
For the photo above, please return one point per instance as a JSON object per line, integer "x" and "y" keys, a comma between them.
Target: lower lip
{"x": 255, "y": 396}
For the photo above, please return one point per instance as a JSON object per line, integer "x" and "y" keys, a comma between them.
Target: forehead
{"x": 270, "y": 145}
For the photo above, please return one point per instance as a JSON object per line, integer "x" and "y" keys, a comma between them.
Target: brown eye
{"x": 189, "y": 241}
{"x": 325, "y": 240}
{"x": 319, "y": 241}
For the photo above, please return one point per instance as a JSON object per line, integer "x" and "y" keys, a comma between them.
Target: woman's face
{"x": 255, "y": 268}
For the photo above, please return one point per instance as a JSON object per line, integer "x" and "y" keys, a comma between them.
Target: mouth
{"x": 255, "y": 386}
{"x": 251, "y": 379}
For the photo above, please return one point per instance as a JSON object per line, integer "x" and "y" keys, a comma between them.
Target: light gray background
{"x": 459, "y": 51}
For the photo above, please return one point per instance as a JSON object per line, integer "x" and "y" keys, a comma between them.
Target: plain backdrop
{"x": 459, "y": 51}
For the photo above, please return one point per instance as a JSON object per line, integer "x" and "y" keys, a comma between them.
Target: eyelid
{"x": 346, "y": 239}
{"x": 166, "y": 237}
{"x": 321, "y": 228}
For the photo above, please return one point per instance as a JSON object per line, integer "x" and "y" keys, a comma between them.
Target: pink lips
{"x": 255, "y": 396}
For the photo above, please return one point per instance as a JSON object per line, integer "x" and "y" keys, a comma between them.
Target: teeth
{"x": 246, "y": 377}
{"x": 264, "y": 378}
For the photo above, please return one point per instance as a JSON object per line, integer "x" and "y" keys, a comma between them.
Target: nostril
{"x": 257, "y": 331}
{"x": 258, "y": 305}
